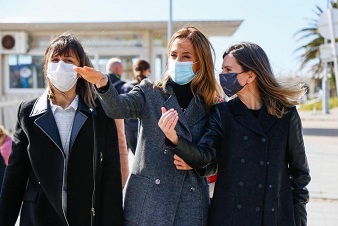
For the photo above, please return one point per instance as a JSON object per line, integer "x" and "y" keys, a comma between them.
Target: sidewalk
{"x": 321, "y": 143}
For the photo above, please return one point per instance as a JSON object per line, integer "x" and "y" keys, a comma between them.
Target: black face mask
{"x": 230, "y": 84}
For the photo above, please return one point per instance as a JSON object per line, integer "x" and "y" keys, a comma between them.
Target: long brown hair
{"x": 139, "y": 68}
{"x": 277, "y": 96}
{"x": 65, "y": 44}
{"x": 204, "y": 83}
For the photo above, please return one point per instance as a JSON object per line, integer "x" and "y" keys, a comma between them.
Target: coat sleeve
{"x": 16, "y": 176}
{"x": 204, "y": 153}
{"x": 128, "y": 105}
{"x": 299, "y": 169}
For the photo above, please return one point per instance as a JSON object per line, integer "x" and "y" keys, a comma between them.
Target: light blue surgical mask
{"x": 181, "y": 72}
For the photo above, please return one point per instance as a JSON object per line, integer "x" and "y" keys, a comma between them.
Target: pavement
{"x": 321, "y": 142}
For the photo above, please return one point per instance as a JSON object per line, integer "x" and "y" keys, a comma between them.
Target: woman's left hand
{"x": 180, "y": 163}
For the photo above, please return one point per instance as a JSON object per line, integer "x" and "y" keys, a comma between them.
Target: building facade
{"x": 23, "y": 46}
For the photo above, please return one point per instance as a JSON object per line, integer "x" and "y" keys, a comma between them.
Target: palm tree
{"x": 310, "y": 51}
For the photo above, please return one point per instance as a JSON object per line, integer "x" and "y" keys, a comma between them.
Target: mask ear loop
{"x": 250, "y": 76}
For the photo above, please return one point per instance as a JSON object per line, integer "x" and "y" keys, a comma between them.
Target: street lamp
{"x": 170, "y": 26}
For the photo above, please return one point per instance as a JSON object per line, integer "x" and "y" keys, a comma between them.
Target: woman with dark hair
{"x": 64, "y": 168}
{"x": 141, "y": 71}
{"x": 162, "y": 190}
{"x": 256, "y": 139}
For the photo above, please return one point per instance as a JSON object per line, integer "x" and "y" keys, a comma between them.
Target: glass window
{"x": 26, "y": 72}
{"x": 159, "y": 40}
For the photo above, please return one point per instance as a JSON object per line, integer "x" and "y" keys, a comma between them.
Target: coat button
{"x": 245, "y": 138}
{"x": 241, "y": 183}
{"x": 165, "y": 151}
{"x": 267, "y": 163}
{"x": 261, "y": 163}
{"x": 273, "y": 209}
{"x": 192, "y": 189}
{"x": 239, "y": 206}
{"x": 263, "y": 139}
{"x": 39, "y": 182}
{"x": 270, "y": 186}
{"x": 260, "y": 185}
{"x": 257, "y": 209}
{"x": 242, "y": 160}
{"x": 157, "y": 181}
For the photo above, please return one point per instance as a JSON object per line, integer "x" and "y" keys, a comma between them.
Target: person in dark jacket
{"x": 141, "y": 71}
{"x": 64, "y": 169}
{"x": 257, "y": 141}
{"x": 114, "y": 70}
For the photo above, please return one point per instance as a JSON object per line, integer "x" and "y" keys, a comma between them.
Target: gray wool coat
{"x": 157, "y": 194}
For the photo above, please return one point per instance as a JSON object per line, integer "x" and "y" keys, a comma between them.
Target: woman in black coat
{"x": 257, "y": 140}
{"x": 64, "y": 168}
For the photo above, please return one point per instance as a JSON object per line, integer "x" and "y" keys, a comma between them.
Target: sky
{"x": 271, "y": 24}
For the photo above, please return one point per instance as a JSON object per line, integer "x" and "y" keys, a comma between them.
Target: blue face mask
{"x": 181, "y": 72}
{"x": 230, "y": 84}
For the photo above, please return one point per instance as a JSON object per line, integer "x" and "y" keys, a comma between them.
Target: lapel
{"x": 194, "y": 113}
{"x": 171, "y": 102}
{"x": 243, "y": 116}
{"x": 79, "y": 120}
{"x": 46, "y": 121}
{"x": 266, "y": 120}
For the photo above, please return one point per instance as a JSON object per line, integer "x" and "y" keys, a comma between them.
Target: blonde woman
{"x": 162, "y": 190}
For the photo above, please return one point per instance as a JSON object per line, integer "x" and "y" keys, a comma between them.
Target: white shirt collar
{"x": 73, "y": 105}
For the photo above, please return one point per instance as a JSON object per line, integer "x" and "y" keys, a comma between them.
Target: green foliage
{"x": 318, "y": 105}
{"x": 310, "y": 51}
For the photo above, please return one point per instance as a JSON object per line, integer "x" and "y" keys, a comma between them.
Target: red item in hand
{"x": 212, "y": 179}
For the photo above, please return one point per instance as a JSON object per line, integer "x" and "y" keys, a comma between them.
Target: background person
{"x": 141, "y": 71}
{"x": 257, "y": 138}
{"x": 114, "y": 70}
{"x": 160, "y": 192}
{"x": 5, "y": 144}
{"x": 5, "y": 151}
{"x": 64, "y": 168}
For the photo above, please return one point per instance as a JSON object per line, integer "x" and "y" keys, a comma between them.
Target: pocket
{"x": 135, "y": 197}
{"x": 30, "y": 196}
{"x": 28, "y": 209}
{"x": 286, "y": 215}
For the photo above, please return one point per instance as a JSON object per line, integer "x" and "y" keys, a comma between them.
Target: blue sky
{"x": 269, "y": 23}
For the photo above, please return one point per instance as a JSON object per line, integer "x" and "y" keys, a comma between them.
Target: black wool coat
{"x": 34, "y": 176}
{"x": 262, "y": 166}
